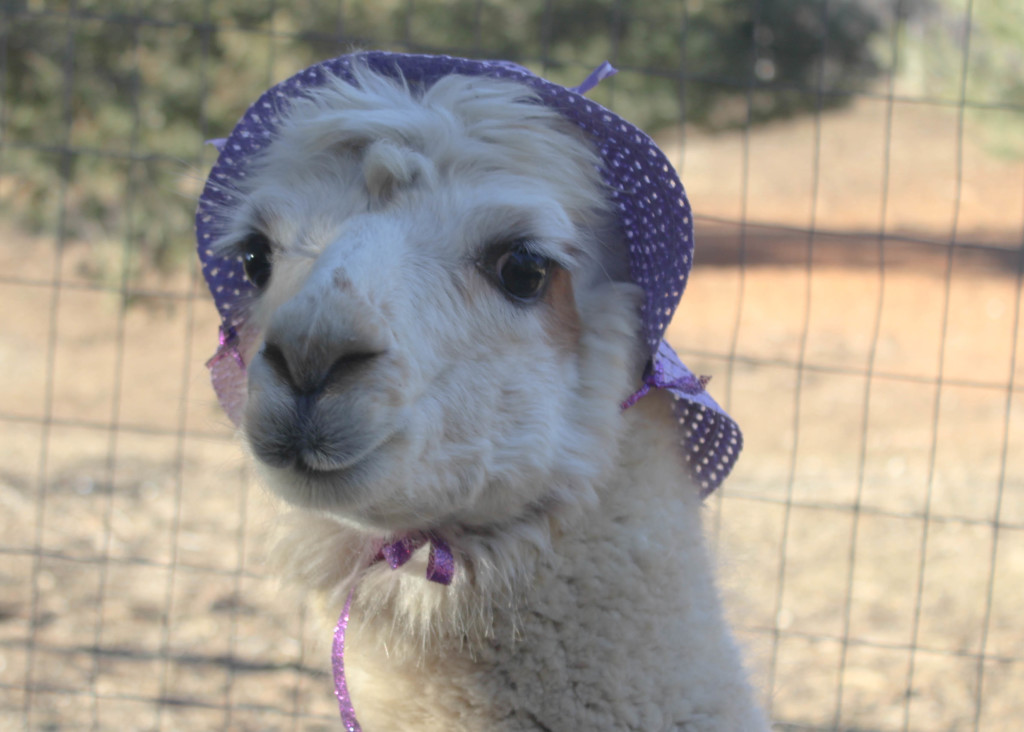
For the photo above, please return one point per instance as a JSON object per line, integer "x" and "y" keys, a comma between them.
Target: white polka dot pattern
{"x": 654, "y": 213}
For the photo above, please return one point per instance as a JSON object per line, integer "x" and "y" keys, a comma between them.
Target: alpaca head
{"x": 433, "y": 271}
{"x": 440, "y": 317}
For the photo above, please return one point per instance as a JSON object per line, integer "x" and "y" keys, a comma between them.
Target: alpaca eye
{"x": 522, "y": 273}
{"x": 256, "y": 258}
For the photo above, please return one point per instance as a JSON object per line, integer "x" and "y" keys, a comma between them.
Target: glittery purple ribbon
{"x": 440, "y": 563}
{"x": 348, "y": 713}
{"x": 440, "y": 569}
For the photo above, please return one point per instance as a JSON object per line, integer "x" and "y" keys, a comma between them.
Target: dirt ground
{"x": 871, "y": 539}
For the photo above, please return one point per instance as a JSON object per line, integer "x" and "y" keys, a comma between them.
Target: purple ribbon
{"x": 440, "y": 563}
{"x": 440, "y": 569}
{"x": 657, "y": 377}
{"x": 228, "y": 347}
{"x": 348, "y": 714}
{"x": 596, "y": 76}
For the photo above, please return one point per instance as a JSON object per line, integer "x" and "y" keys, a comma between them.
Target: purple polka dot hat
{"x": 654, "y": 212}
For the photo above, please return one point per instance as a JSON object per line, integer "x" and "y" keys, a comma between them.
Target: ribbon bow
{"x": 440, "y": 563}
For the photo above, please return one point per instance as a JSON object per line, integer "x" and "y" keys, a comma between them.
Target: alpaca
{"x": 444, "y": 285}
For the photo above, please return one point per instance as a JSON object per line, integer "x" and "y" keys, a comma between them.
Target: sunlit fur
{"x": 583, "y": 597}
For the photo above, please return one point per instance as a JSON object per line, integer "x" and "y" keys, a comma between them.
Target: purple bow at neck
{"x": 440, "y": 563}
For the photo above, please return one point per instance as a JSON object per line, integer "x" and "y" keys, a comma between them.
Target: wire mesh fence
{"x": 857, "y": 299}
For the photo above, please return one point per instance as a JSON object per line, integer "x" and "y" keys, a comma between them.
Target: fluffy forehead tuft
{"x": 458, "y": 127}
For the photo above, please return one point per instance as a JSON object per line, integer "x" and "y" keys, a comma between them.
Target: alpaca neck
{"x": 621, "y": 628}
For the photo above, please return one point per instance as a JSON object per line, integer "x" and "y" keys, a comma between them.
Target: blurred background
{"x": 857, "y": 172}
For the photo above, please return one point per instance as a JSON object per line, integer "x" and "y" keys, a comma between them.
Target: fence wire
{"x": 857, "y": 298}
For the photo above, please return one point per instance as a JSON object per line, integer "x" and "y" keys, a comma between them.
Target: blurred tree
{"x": 785, "y": 56}
{"x": 106, "y": 102}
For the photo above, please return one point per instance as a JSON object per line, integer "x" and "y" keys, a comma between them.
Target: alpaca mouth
{"x": 321, "y": 467}
{"x": 306, "y": 468}
{"x": 322, "y": 485}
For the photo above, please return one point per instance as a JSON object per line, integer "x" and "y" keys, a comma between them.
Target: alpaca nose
{"x": 314, "y": 343}
{"x": 308, "y": 379}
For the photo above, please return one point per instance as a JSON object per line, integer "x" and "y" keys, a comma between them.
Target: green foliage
{"x": 106, "y": 102}
{"x": 940, "y": 61}
{"x": 783, "y": 56}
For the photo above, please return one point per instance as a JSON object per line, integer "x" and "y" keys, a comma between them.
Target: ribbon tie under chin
{"x": 440, "y": 569}
{"x": 440, "y": 562}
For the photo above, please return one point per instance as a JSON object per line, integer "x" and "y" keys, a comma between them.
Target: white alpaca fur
{"x": 583, "y": 597}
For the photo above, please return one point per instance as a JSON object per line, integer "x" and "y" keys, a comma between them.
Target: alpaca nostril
{"x": 275, "y": 358}
{"x": 346, "y": 365}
